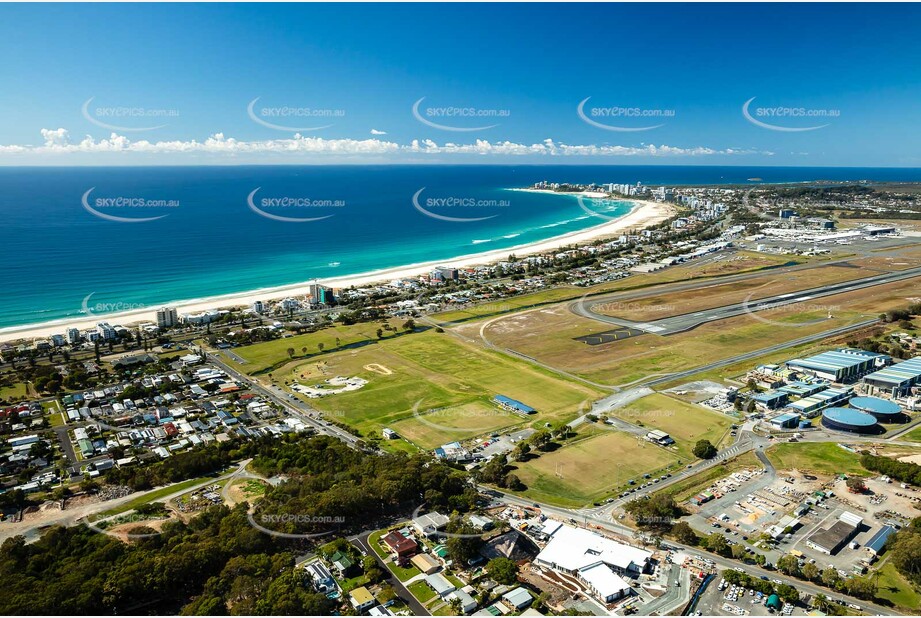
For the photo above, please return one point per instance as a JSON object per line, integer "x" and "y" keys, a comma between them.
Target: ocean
{"x": 134, "y": 237}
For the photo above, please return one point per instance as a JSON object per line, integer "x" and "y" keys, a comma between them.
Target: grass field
{"x": 412, "y": 375}
{"x": 686, "y": 423}
{"x": 549, "y": 335}
{"x": 430, "y": 428}
{"x": 591, "y": 468}
{"x": 739, "y": 262}
{"x": 718, "y": 294}
{"x": 14, "y": 393}
{"x": 261, "y": 356}
{"x": 820, "y": 457}
{"x": 893, "y": 587}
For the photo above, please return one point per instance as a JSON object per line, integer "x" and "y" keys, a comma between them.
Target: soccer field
{"x": 591, "y": 469}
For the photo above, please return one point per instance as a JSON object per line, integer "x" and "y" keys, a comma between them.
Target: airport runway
{"x": 685, "y": 322}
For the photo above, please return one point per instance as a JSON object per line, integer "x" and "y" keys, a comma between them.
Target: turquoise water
{"x": 211, "y": 242}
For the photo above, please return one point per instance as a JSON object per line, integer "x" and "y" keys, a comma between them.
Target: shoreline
{"x": 642, "y": 214}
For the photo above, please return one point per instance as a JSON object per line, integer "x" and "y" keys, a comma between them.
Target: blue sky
{"x": 201, "y": 65}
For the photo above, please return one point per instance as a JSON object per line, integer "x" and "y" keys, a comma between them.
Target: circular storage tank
{"x": 848, "y": 419}
{"x": 884, "y": 410}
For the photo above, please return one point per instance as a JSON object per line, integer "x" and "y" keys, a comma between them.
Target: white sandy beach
{"x": 643, "y": 214}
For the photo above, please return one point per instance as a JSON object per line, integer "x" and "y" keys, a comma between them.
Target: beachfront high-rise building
{"x": 259, "y": 307}
{"x": 167, "y": 317}
{"x": 73, "y": 335}
{"x": 320, "y": 294}
{"x": 106, "y": 331}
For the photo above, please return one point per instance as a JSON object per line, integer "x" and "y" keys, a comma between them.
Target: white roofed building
{"x": 597, "y": 561}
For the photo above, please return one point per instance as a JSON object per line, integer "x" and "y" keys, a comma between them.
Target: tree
{"x": 717, "y": 543}
{"x": 503, "y": 570}
{"x": 830, "y": 577}
{"x": 860, "y": 587}
{"x": 683, "y": 533}
{"x": 788, "y": 564}
{"x": 810, "y": 571}
{"x": 704, "y": 450}
{"x": 855, "y": 484}
{"x": 290, "y": 352}
{"x": 320, "y": 346}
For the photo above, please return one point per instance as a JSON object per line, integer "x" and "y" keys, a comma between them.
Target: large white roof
{"x": 605, "y": 582}
{"x": 573, "y": 549}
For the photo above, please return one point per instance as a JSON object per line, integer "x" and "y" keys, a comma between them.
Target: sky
{"x": 191, "y": 84}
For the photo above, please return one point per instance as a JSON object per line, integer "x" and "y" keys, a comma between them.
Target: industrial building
{"x": 786, "y": 421}
{"x": 812, "y": 405}
{"x": 885, "y": 411}
{"x": 878, "y": 542}
{"x": 831, "y": 540}
{"x": 897, "y": 379}
{"x": 772, "y": 400}
{"x": 803, "y": 389}
{"x": 849, "y": 420}
{"x": 842, "y": 365}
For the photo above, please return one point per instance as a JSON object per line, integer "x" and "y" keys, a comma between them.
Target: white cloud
{"x": 376, "y": 132}
{"x": 58, "y": 141}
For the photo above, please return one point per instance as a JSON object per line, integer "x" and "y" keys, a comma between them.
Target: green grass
{"x": 821, "y": 457}
{"x": 374, "y": 540}
{"x": 591, "y": 468}
{"x": 154, "y": 495}
{"x": 912, "y": 436}
{"x": 448, "y": 382}
{"x": 685, "y": 422}
{"x": 403, "y": 573}
{"x": 15, "y": 392}
{"x": 261, "y": 356}
{"x": 421, "y": 591}
{"x": 893, "y": 587}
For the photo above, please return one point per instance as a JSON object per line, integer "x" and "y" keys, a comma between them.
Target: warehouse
{"x": 885, "y": 411}
{"x": 897, "y": 379}
{"x": 849, "y": 420}
{"x": 843, "y": 365}
{"x": 812, "y": 405}
{"x": 803, "y": 389}
{"x": 830, "y": 540}
{"x": 786, "y": 421}
{"x": 772, "y": 400}
{"x": 877, "y": 544}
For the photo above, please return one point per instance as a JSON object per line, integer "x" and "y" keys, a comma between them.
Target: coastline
{"x": 642, "y": 214}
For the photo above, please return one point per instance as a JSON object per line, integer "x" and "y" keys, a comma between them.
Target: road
{"x": 292, "y": 404}
{"x": 402, "y": 591}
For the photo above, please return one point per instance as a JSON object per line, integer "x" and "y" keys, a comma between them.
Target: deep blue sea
{"x": 55, "y": 251}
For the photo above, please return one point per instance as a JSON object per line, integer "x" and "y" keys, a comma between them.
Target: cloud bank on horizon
{"x": 59, "y": 142}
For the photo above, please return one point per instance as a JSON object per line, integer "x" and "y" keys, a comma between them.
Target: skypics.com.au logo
{"x": 617, "y": 118}
{"x": 769, "y": 117}
{"x": 269, "y": 207}
{"x": 124, "y": 203}
{"x": 456, "y": 204}
{"x": 449, "y": 117}
{"x": 127, "y": 117}
{"x": 281, "y": 118}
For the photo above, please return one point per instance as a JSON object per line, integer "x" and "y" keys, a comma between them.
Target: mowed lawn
{"x": 822, "y": 458}
{"x": 590, "y": 469}
{"x": 895, "y": 588}
{"x": 685, "y": 422}
{"x": 414, "y": 374}
{"x": 429, "y": 428}
{"x": 260, "y": 356}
